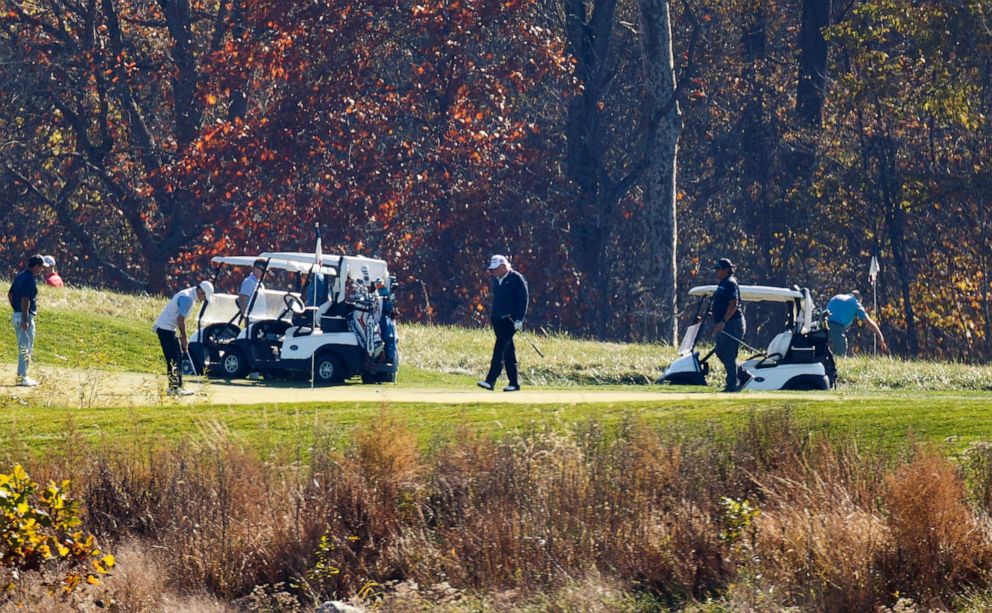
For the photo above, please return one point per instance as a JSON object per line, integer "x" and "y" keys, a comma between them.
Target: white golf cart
{"x": 332, "y": 339}
{"x": 798, "y": 358}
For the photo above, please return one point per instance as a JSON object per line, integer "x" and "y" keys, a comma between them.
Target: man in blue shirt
{"x": 728, "y": 320}
{"x": 23, "y": 295}
{"x": 845, "y": 309}
{"x": 314, "y": 290}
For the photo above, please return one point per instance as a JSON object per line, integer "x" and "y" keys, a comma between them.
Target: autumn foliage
{"x": 142, "y": 138}
{"x": 40, "y": 535}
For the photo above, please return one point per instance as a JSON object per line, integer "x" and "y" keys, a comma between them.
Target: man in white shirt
{"x": 171, "y": 321}
{"x": 251, "y": 284}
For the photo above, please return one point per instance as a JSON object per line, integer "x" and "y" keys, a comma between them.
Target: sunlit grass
{"x": 32, "y": 428}
{"x": 566, "y": 361}
{"x": 89, "y": 328}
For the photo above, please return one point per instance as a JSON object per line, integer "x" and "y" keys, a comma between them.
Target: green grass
{"x": 87, "y": 328}
{"x": 876, "y": 420}
{"x": 879, "y": 399}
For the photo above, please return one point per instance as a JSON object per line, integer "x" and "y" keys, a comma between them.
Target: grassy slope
{"x": 881, "y": 399}
{"x": 87, "y": 328}
{"x": 30, "y": 430}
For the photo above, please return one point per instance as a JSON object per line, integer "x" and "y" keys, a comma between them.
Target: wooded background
{"x": 137, "y": 139}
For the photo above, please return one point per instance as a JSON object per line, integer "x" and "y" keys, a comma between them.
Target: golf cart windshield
{"x": 268, "y": 303}
{"x": 344, "y": 266}
{"x": 222, "y": 308}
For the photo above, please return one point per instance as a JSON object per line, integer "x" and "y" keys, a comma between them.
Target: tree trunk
{"x": 661, "y": 153}
{"x": 895, "y": 221}
{"x": 812, "y": 63}
{"x": 184, "y": 83}
{"x": 590, "y": 36}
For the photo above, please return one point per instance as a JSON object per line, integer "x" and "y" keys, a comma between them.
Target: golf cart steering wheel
{"x": 294, "y": 304}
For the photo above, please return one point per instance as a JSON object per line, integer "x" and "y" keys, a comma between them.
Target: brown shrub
{"x": 818, "y": 545}
{"x": 364, "y": 501}
{"x": 978, "y": 468}
{"x": 536, "y": 510}
{"x": 213, "y": 512}
{"x": 938, "y": 547}
{"x": 548, "y": 507}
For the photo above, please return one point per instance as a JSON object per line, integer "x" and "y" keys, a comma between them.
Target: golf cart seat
{"x": 777, "y": 349}
{"x": 269, "y": 330}
{"x": 334, "y": 323}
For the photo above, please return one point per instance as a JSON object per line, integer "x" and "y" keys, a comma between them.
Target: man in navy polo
{"x": 728, "y": 320}
{"x": 510, "y": 299}
{"x": 23, "y": 294}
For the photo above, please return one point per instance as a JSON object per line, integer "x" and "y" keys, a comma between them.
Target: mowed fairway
{"x": 98, "y": 362}
{"x": 106, "y": 409}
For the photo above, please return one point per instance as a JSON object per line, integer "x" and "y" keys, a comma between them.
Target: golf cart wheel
{"x": 234, "y": 364}
{"x": 369, "y": 378}
{"x": 328, "y": 369}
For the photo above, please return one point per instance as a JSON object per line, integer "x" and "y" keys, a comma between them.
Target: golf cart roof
{"x": 754, "y": 293}
{"x": 296, "y": 256}
{"x": 327, "y": 258}
{"x": 276, "y": 263}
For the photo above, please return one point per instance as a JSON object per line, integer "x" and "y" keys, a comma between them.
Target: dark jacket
{"x": 24, "y": 286}
{"x": 510, "y": 297}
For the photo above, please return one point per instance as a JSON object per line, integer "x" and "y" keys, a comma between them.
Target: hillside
{"x": 88, "y": 328}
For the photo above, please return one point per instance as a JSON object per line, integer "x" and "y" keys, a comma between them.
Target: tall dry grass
{"x": 826, "y": 526}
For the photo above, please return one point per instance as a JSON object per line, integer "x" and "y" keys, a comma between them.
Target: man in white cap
{"x": 52, "y": 278}
{"x": 173, "y": 320}
{"x": 510, "y": 299}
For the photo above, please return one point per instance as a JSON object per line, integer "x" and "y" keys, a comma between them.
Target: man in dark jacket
{"x": 509, "y": 308}
{"x": 728, "y": 320}
{"x": 22, "y": 295}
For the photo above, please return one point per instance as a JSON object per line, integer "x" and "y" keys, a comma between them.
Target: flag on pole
{"x": 317, "y": 250}
{"x": 873, "y": 270}
{"x": 315, "y": 269}
{"x": 314, "y": 275}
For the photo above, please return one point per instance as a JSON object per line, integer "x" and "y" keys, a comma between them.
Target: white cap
{"x": 48, "y": 260}
{"x": 208, "y": 289}
{"x": 498, "y": 260}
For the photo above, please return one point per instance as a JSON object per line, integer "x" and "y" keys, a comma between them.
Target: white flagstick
{"x": 873, "y": 278}
{"x": 314, "y": 271}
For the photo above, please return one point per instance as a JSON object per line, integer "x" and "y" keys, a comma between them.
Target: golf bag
{"x": 364, "y": 322}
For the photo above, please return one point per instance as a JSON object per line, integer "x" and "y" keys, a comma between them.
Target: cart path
{"x": 67, "y": 387}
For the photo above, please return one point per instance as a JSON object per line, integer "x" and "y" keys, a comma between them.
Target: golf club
{"x": 535, "y": 348}
{"x": 743, "y": 344}
{"x": 192, "y": 364}
{"x": 528, "y": 340}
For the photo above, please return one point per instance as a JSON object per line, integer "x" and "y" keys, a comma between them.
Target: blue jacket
{"x": 510, "y": 297}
